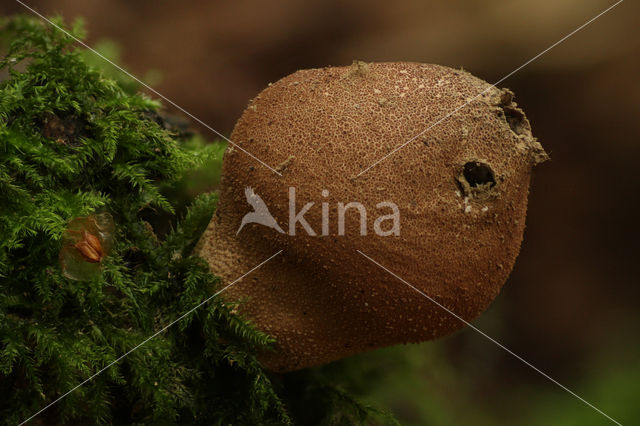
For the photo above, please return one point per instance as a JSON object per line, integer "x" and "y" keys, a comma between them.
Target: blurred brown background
{"x": 571, "y": 304}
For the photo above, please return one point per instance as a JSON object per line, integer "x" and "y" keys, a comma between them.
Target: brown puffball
{"x": 460, "y": 188}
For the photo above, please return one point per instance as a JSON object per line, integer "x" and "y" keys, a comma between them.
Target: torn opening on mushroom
{"x": 513, "y": 115}
{"x": 476, "y": 178}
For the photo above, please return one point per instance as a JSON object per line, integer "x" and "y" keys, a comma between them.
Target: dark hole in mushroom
{"x": 477, "y": 174}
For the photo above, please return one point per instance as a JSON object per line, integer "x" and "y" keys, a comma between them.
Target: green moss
{"x": 73, "y": 142}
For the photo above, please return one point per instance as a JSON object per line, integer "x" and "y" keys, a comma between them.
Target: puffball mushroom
{"x": 460, "y": 188}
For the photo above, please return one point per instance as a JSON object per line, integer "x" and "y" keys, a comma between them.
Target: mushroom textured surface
{"x": 460, "y": 188}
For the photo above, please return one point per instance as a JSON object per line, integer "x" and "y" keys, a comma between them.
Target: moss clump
{"x": 72, "y": 143}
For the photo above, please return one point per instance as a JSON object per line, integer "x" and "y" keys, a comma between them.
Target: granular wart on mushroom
{"x": 461, "y": 189}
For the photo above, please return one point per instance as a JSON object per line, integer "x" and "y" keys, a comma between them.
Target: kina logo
{"x": 384, "y": 225}
{"x": 260, "y": 213}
